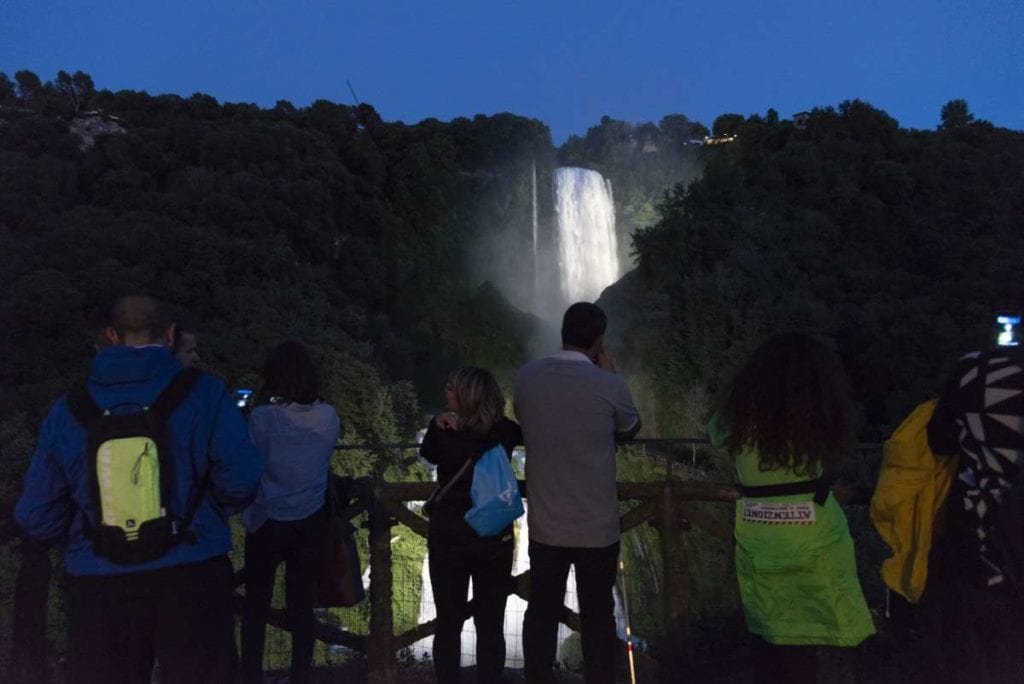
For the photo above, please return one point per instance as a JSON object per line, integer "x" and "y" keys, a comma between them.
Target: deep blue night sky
{"x": 564, "y": 62}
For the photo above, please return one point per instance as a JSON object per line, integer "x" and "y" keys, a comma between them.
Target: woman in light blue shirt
{"x": 296, "y": 432}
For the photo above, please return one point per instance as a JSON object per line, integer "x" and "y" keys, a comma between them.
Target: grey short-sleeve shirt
{"x": 570, "y": 410}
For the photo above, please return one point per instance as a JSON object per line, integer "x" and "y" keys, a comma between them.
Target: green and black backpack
{"x": 131, "y": 475}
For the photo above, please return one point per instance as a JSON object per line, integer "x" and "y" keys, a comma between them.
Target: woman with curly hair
{"x": 474, "y": 423}
{"x": 786, "y": 421}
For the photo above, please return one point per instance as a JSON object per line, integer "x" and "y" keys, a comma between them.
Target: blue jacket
{"x": 207, "y": 432}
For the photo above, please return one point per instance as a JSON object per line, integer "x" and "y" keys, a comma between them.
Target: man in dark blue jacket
{"x": 177, "y": 608}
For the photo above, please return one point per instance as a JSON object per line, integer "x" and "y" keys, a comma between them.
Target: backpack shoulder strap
{"x": 174, "y": 393}
{"x": 84, "y": 408}
{"x": 194, "y": 503}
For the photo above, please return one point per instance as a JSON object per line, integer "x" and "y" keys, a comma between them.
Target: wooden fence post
{"x": 380, "y": 656}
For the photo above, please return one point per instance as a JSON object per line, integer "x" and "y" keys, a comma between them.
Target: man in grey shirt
{"x": 573, "y": 409}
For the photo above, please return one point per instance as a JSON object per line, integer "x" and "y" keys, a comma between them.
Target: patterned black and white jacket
{"x": 980, "y": 416}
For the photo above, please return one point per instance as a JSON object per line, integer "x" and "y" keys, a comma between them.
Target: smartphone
{"x": 1008, "y": 330}
{"x": 243, "y": 397}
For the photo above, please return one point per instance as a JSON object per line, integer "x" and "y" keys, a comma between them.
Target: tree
{"x": 84, "y": 87}
{"x": 859, "y": 230}
{"x": 726, "y": 124}
{"x": 29, "y": 85}
{"x": 955, "y": 114}
{"x": 284, "y": 108}
{"x": 7, "y": 92}
{"x": 679, "y": 129}
{"x": 76, "y": 89}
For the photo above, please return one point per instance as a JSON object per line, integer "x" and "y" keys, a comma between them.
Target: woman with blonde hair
{"x": 474, "y": 423}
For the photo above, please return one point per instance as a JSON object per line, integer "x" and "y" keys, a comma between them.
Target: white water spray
{"x": 588, "y": 258}
{"x": 515, "y": 607}
{"x": 536, "y": 267}
{"x": 533, "y": 194}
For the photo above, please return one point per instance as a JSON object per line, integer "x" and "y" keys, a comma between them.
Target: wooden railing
{"x": 666, "y": 505}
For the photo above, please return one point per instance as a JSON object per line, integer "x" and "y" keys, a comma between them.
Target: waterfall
{"x": 588, "y": 258}
{"x": 534, "y": 198}
{"x": 536, "y": 268}
{"x": 515, "y": 607}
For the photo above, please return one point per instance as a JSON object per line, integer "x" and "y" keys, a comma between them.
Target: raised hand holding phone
{"x": 601, "y": 358}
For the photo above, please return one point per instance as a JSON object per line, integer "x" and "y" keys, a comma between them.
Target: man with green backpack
{"x": 135, "y": 474}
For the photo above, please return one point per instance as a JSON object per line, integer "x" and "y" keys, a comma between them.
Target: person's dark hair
{"x": 140, "y": 315}
{"x": 101, "y": 321}
{"x": 481, "y": 403}
{"x": 290, "y": 375}
{"x": 582, "y": 324}
{"x": 791, "y": 403}
{"x": 183, "y": 327}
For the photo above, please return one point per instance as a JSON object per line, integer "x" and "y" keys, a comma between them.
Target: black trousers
{"x": 297, "y": 544}
{"x": 789, "y": 664}
{"x": 452, "y": 562}
{"x": 975, "y": 631}
{"x": 180, "y": 616}
{"x": 28, "y": 620}
{"x": 595, "y": 579}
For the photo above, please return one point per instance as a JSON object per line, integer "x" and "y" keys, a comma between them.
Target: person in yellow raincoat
{"x": 785, "y": 419}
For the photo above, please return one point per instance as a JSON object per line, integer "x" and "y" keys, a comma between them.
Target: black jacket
{"x": 448, "y": 450}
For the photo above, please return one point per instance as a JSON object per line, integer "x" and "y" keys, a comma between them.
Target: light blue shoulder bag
{"x": 495, "y": 493}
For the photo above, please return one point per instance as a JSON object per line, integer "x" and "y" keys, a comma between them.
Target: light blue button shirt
{"x": 297, "y": 441}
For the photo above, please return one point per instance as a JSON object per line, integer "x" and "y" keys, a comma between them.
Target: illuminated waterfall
{"x": 588, "y": 258}
{"x": 533, "y": 194}
{"x": 515, "y": 609}
{"x": 536, "y": 262}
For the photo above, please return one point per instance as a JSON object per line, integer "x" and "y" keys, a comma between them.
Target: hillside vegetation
{"x": 392, "y": 249}
{"x": 900, "y": 245}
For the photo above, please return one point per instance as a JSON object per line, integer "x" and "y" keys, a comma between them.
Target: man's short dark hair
{"x": 582, "y": 324}
{"x": 142, "y": 315}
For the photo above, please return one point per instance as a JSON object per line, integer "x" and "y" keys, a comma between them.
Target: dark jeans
{"x": 452, "y": 563}
{"x": 181, "y": 616}
{"x": 789, "y": 664}
{"x": 297, "y": 544}
{"x": 975, "y": 631}
{"x": 28, "y": 620}
{"x": 595, "y": 578}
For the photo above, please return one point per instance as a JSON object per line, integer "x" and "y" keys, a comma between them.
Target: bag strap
{"x": 83, "y": 407}
{"x": 440, "y": 492}
{"x": 175, "y": 392}
{"x": 194, "y": 504}
{"x": 85, "y": 410}
{"x": 162, "y": 408}
{"x": 331, "y": 502}
{"x": 820, "y": 487}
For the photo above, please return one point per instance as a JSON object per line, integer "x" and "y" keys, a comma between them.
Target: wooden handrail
{"x": 667, "y": 504}
{"x": 692, "y": 490}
